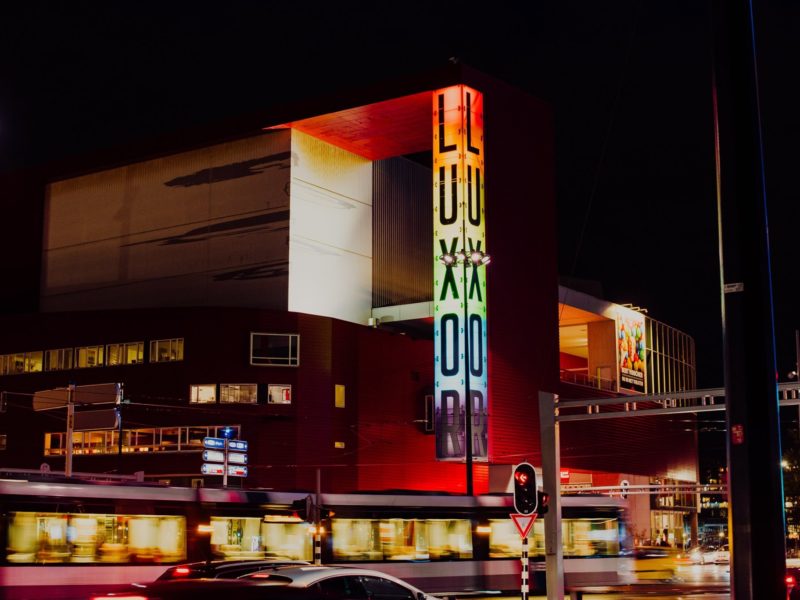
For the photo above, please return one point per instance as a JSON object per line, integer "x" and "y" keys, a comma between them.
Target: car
{"x": 289, "y": 582}
{"x": 709, "y": 554}
{"x": 223, "y": 569}
{"x": 201, "y": 589}
{"x": 341, "y": 583}
{"x": 723, "y": 556}
{"x": 690, "y": 556}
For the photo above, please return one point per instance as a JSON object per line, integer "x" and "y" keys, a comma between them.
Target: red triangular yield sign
{"x": 523, "y": 523}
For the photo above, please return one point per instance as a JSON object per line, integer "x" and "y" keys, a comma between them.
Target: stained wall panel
{"x": 207, "y": 227}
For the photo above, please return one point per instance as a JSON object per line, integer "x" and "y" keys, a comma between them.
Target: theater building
{"x": 356, "y": 285}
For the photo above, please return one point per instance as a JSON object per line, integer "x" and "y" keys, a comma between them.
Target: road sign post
{"x": 224, "y": 457}
{"x": 524, "y": 524}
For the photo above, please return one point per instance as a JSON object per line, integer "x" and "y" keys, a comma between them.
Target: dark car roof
{"x": 223, "y": 569}
{"x": 216, "y": 589}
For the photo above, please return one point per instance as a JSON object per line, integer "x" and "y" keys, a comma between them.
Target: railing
{"x": 584, "y": 379}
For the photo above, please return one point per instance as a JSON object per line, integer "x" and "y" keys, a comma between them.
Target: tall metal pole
{"x": 225, "y": 465}
{"x": 755, "y": 485}
{"x": 468, "y": 394}
{"x": 318, "y": 521}
{"x": 551, "y": 483}
{"x": 797, "y": 370}
{"x": 70, "y": 429}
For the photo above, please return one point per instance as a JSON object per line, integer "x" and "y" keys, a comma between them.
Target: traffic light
{"x": 543, "y": 504}
{"x": 525, "y": 498}
{"x": 304, "y": 509}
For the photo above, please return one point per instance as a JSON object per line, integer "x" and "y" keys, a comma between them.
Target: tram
{"x": 62, "y": 539}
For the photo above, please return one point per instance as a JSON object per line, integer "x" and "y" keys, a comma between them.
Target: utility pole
{"x": 755, "y": 483}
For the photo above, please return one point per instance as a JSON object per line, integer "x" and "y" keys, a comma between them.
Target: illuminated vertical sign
{"x": 459, "y": 290}
{"x": 631, "y": 361}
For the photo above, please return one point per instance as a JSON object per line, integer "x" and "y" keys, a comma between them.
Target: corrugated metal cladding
{"x": 402, "y": 232}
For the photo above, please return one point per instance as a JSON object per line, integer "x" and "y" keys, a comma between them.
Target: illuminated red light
{"x": 790, "y": 581}
{"x": 521, "y": 477}
{"x": 119, "y": 597}
{"x": 182, "y": 571}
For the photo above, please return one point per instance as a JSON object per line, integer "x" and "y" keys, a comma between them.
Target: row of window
{"x": 152, "y": 439}
{"x": 239, "y": 393}
{"x": 85, "y": 357}
{"x": 266, "y": 349}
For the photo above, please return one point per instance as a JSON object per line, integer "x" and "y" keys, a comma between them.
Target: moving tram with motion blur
{"x": 61, "y": 539}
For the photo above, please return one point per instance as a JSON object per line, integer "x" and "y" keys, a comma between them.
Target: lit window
{"x": 279, "y": 394}
{"x": 246, "y": 393}
{"x": 275, "y": 349}
{"x": 338, "y": 400}
{"x": 131, "y": 353}
{"x": 3, "y": 441}
{"x": 89, "y": 356}
{"x": 58, "y": 360}
{"x": 203, "y": 394}
{"x": 166, "y": 350}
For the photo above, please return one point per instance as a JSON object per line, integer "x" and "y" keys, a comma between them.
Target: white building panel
{"x": 330, "y": 248}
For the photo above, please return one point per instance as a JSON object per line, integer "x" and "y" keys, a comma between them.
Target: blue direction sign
{"x": 238, "y": 445}
{"x": 212, "y": 442}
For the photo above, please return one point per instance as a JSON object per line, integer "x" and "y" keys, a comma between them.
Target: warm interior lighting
{"x": 293, "y": 518}
{"x": 204, "y": 528}
{"x": 483, "y": 529}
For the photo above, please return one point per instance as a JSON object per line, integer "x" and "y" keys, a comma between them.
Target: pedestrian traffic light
{"x": 525, "y": 498}
{"x": 543, "y": 503}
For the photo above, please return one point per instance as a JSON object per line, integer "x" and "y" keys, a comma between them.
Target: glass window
{"x": 58, "y": 360}
{"x": 250, "y": 537}
{"x": 338, "y": 396}
{"x": 580, "y": 538}
{"x": 342, "y": 588}
{"x": 3, "y": 441}
{"x": 279, "y": 394}
{"x": 246, "y": 393}
{"x": 401, "y": 539}
{"x": 203, "y": 394}
{"x": 125, "y": 354}
{"x": 275, "y": 349}
{"x": 379, "y": 588}
{"x": 166, "y": 350}
{"x": 33, "y": 361}
{"x": 95, "y": 538}
{"x": 89, "y": 356}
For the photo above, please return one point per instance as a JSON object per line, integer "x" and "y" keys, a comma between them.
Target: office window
{"x": 203, "y": 394}
{"x": 275, "y": 349}
{"x": 131, "y": 353}
{"x": 279, "y": 394}
{"x": 58, "y": 360}
{"x": 3, "y": 441}
{"x": 33, "y": 361}
{"x": 89, "y": 356}
{"x": 166, "y": 350}
{"x": 246, "y": 393}
{"x": 338, "y": 400}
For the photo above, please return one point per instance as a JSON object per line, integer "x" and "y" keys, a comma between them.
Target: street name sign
{"x": 237, "y": 445}
{"x": 212, "y": 469}
{"x": 212, "y": 442}
{"x": 214, "y": 456}
{"x": 237, "y": 458}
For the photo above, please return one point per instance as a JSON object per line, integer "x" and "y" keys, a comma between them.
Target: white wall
{"x": 330, "y": 242}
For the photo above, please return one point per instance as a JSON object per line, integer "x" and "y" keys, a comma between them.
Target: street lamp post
{"x": 475, "y": 258}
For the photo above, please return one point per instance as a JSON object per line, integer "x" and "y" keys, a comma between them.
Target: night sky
{"x": 629, "y": 82}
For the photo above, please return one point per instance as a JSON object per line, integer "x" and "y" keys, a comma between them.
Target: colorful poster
{"x": 459, "y": 287}
{"x": 631, "y": 360}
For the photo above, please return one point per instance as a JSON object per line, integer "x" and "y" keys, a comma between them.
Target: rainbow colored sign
{"x": 459, "y": 288}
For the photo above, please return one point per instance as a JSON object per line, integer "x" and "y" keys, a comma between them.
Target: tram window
{"x": 580, "y": 538}
{"x": 37, "y": 538}
{"x": 401, "y": 539}
{"x": 248, "y": 537}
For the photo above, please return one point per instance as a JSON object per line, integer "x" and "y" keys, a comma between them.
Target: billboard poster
{"x": 631, "y": 359}
{"x": 459, "y": 288}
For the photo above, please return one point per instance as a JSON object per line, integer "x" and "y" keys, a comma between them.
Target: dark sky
{"x": 629, "y": 82}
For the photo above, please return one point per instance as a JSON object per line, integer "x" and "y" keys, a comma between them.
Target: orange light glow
{"x": 204, "y": 528}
